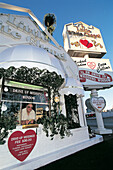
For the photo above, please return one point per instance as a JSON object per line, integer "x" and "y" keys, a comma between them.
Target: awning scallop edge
{"x": 73, "y": 87}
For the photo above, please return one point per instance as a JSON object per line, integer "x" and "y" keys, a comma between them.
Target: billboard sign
{"x": 80, "y": 36}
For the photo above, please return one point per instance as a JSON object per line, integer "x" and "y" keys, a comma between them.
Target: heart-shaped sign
{"x": 91, "y": 65}
{"x": 98, "y": 103}
{"x": 21, "y": 144}
{"x": 86, "y": 43}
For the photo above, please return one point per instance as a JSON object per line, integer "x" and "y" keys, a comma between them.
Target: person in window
{"x": 28, "y": 115}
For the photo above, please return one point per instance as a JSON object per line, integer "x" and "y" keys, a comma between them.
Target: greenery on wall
{"x": 72, "y": 111}
{"x": 55, "y": 123}
{"x": 8, "y": 122}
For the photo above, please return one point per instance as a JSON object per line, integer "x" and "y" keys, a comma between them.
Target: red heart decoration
{"x": 89, "y": 45}
{"x": 91, "y": 65}
{"x": 21, "y": 144}
{"x": 86, "y": 43}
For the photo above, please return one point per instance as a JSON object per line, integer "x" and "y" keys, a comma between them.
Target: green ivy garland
{"x": 8, "y": 122}
{"x": 72, "y": 110}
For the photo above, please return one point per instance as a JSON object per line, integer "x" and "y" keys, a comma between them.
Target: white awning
{"x": 72, "y": 86}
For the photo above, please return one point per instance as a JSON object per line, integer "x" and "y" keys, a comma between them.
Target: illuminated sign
{"x": 81, "y": 30}
{"x": 18, "y": 91}
{"x": 80, "y": 36}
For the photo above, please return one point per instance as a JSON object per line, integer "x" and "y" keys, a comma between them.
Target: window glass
{"x": 41, "y": 110}
{"x": 11, "y": 108}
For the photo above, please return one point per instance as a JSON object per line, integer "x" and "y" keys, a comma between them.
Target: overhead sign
{"x": 94, "y": 73}
{"x": 19, "y": 94}
{"x": 98, "y": 103}
{"x": 18, "y": 91}
{"x": 21, "y": 144}
{"x": 80, "y": 36}
{"x": 92, "y": 76}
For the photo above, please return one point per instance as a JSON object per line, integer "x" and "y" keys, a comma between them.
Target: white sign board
{"x": 94, "y": 73}
{"x": 80, "y": 36}
{"x": 15, "y": 29}
{"x": 98, "y": 103}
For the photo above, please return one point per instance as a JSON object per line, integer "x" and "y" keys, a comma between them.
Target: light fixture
{"x": 4, "y": 107}
{"x": 57, "y": 99}
{"x": 5, "y": 89}
{"x": 47, "y": 109}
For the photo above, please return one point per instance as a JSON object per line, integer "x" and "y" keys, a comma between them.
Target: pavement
{"x": 107, "y": 137}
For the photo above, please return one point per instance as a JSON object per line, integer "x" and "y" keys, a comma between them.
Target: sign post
{"x": 99, "y": 103}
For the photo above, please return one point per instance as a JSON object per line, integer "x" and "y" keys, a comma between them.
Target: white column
{"x": 62, "y": 104}
{"x": 101, "y": 129}
{"x": 81, "y": 112}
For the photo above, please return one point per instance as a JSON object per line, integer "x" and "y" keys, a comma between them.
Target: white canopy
{"x": 72, "y": 86}
{"x": 30, "y": 56}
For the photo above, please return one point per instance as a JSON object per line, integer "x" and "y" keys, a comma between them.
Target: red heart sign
{"x": 86, "y": 43}
{"x": 91, "y": 65}
{"x": 21, "y": 144}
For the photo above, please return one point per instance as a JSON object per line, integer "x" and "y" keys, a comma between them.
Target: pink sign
{"x": 21, "y": 144}
{"x": 98, "y": 103}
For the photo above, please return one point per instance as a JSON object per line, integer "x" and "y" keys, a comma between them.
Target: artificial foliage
{"x": 8, "y": 120}
{"x": 72, "y": 111}
{"x": 54, "y": 123}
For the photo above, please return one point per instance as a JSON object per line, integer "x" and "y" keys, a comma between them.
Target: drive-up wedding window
{"x": 29, "y": 102}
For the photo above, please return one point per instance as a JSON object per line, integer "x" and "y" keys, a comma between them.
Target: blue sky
{"x": 98, "y": 13}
